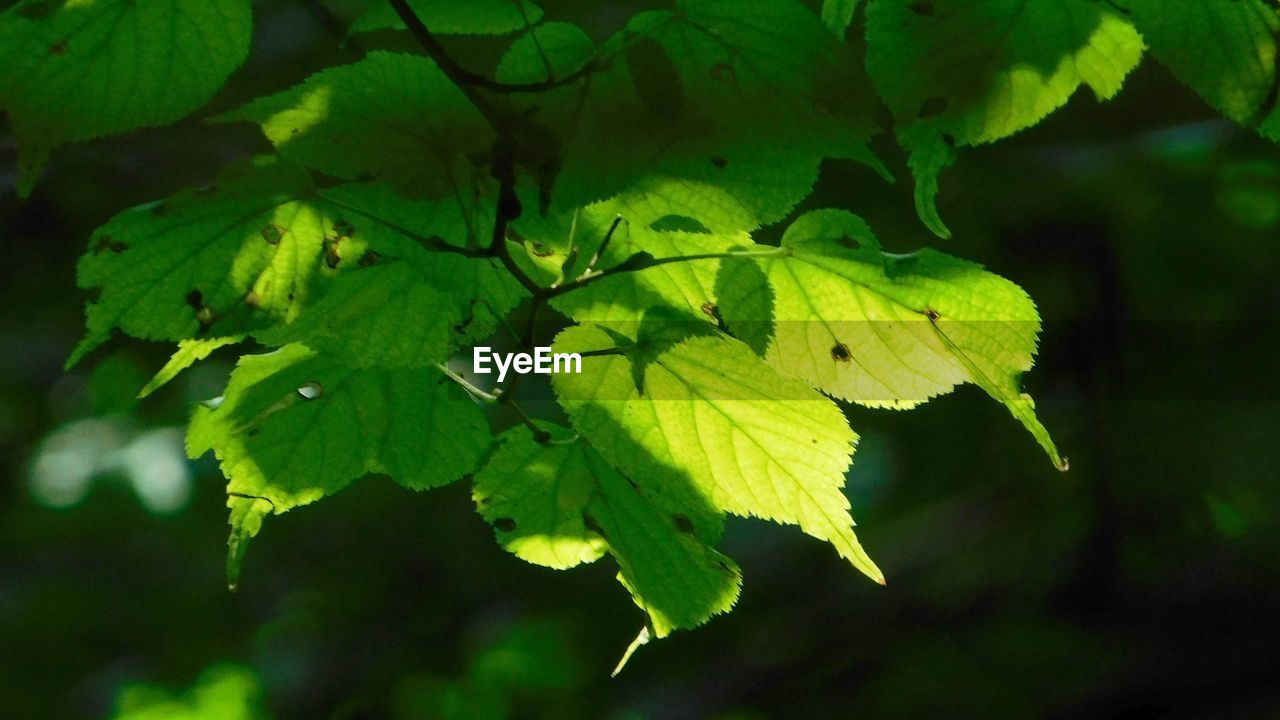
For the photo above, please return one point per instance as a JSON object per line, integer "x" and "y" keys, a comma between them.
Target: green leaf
{"x": 838, "y": 14}
{"x": 294, "y": 426}
{"x": 688, "y": 102}
{"x": 449, "y": 17}
{"x": 968, "y": 72}
{"x": 887, "y": 330}
{"x": 260, "y": 251}
{"x": 393, "y": 116}
{"x": 216, "y": 262}
{"x": 76, "y": 71}
{"x": 386, "y": 315}
{"x": 1225, "y": 50}
{"x": 189, "y": 353}
{"x": 560, "y": 504}
{"x": 712, "y": 426}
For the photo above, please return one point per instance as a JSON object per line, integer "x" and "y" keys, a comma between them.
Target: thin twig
{"x": 604, "y": 245}
{"x": 540, "y": 436}
{"x": 537, "y": 44}
{"x": 466, "y": 80}
{"x": 644, "y": 261}
{"x": 467, "y": 385}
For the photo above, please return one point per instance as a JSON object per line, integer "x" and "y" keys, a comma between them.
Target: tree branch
{"x": 466, "y": 80}
{"x": 469, "y": 80}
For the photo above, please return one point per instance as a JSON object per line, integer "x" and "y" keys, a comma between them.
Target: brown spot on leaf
{"x": 683, "y": 524}
{"x": 252, "y": 299}
{"x": 711, "y": 310}
{"x": 723, "y": 72}
{"x": 850, "y": 243}
{"x": 344, "y": 229}
{"x": 369, "y": 258}
{"x": 505, "y": 524}
{"x": 205, "y": 317}
{"x": 840, "y": 352}
{"x": 332, "y": 258}
{"x": 58, "y": 48}
{"x": 272, "y": 234}
{"x": 720, "y": 162}
{"x": 204, "y": 314}
{"x": 931, "y": 314}
{"x": 105, "y": 243}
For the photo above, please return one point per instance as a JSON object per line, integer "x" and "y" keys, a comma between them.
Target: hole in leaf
{"x": 850, "y": 243}
{"x": 540, "y": 250}
{"x": 93, "y": 295}
{"x": 840, "y": 353}
{"x": 505, "y": 524}
{"x": 272, "y": 234}
{"x": 344, "y": 229}
{"x": 310, "y": 390}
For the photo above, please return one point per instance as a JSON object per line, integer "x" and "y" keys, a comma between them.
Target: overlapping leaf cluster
{"x": 614, "y": 178}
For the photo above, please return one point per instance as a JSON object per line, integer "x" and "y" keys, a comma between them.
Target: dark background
{"x": 1143, "y": 583}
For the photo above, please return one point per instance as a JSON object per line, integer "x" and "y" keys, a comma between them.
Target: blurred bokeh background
{"x": 1144, "y": 583}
